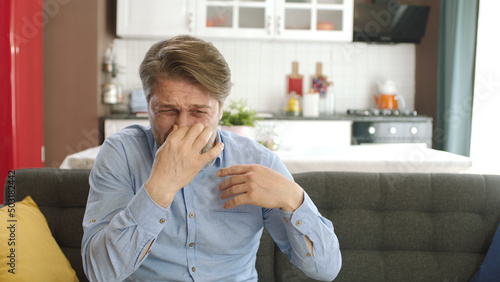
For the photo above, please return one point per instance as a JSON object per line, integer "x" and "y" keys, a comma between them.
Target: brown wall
{"x": 76, "y": 34}
{"x": 426, "y": 60}
{"x": 426, "y": 65}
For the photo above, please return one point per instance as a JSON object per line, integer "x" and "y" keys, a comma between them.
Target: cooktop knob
{"x": 371, "y": 130}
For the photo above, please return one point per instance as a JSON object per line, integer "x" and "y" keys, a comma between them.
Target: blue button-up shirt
{"x": 127, "y": 236}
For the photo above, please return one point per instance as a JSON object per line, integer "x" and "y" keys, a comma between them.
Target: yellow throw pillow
{"x": 28, "y": 252}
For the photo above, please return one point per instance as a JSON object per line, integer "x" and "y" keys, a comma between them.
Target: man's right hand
{"x": 178, "y": 160}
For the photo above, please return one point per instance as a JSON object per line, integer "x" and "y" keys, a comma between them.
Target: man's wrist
{"x": 159, "y": 195}
{"x": 295, "y": 201}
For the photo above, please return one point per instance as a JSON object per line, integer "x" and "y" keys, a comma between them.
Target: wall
{"x": 75, "y": 37}
{"x": 259, "y": 69}
{"x": 426, "y": 65}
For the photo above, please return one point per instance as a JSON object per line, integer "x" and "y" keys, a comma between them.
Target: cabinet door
{"x": 235, "y": 18}
{"x": 322, "y": 20}
{"x": 154, "y": 18}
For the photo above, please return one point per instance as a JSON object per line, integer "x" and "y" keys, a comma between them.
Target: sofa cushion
{"x": 31, "y": 253}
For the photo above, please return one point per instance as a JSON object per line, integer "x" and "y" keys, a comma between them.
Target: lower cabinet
{"x": 288, "y": 134}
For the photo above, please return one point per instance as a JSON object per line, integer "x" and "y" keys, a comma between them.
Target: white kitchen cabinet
{"x": 154, "y": 18}
{"x": 315, "y": 20}
{"x": 303, "y": 134}
{"x": 319, "y": 20}
{"x": 111, "y": 126}
{"x": 235, "y": 18}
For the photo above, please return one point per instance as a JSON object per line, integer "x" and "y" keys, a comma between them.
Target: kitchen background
{"x": 259, "y": 69}
{"x": 76, "y": 34}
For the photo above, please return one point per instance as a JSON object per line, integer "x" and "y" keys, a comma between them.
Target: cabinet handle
{"x": 190, "y": 22}
{"x": 392, "y": 130}
{"x": 414, "y": 130}
{"x": 278, "y": 25}
{"x": 269, "y": 25}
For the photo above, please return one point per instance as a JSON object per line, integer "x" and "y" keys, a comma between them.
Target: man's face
{"x": 184, "y": 104}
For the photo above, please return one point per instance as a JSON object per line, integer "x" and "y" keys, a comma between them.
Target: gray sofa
{"x": 391, "y": 227}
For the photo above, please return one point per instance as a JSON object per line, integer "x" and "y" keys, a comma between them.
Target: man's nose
{"x": 183, "y": 119}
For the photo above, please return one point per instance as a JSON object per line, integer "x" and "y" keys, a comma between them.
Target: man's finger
{"x": 203, "y": 138}
{"x": 234, "y": 180}
{"x": 233, "y": 191}
{"x": 233, "y": 170}
{"x": 236, "y": 201}
{"x": 212, "y": 153}
{"x": 193, "y": 132}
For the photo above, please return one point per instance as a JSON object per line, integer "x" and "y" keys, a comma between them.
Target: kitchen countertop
{"x": 364, "y": 158}
{"x": 282, "y": 116}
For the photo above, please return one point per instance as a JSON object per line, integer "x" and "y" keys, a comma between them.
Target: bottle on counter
{"x": 293, "y": 105}
{"x": 310, "y": 104}
{"x": 329, "y": 99}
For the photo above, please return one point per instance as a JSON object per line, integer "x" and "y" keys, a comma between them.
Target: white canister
{"x": 310, "y": 105}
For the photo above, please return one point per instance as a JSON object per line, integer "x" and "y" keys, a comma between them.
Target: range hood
{"x": 386, "y": 22}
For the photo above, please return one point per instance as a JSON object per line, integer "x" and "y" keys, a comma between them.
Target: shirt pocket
{"x": 231, "y": 232}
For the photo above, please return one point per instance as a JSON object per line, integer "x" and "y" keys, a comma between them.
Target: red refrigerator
{"x": 21, "y": 86}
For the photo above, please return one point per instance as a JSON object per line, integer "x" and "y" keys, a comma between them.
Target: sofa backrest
{"x": 61, "y": 196}
{"x": 391, "y": 227}
{"x": 407, "y": 227}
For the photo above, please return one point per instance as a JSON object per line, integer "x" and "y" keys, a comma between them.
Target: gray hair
{"x": 189, "y": 59}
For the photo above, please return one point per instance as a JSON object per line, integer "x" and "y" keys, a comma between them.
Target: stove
{"x": 390, "y": 126}
{"x": 378, "y": 112}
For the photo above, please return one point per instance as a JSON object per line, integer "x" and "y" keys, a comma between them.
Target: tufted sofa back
{"x": 407, "y": 227}
{"x": 391, "y": 227}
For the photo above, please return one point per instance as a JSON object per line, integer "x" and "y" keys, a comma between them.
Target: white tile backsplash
{"x": 259, "y": 69}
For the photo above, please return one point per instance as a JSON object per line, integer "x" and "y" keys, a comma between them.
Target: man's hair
{"x": 186, "y": 58}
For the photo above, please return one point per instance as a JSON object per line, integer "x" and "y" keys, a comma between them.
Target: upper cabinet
{"x": 235, "y": 18}
{"x": 318, "y": 20}
{"x": 154, "y": 18}
{"x": 324, "y": 20}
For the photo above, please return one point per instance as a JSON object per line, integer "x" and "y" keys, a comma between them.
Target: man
{"x": 183, "y": 201}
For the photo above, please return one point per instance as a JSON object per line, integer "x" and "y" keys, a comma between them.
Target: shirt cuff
{"x": 148, "y": 215}
{"x": 304, "y": 218}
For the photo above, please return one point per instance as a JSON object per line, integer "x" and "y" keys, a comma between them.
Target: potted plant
{"x": 238, "y": 118}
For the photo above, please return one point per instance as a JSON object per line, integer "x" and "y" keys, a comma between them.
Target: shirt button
{"x": 162, "y": 220}
{"x": 191, "y": 214}
{"x": 297, "y": 223}
{"x": 193, "y": 269}
{"x": 191, "y": 245}
{"x": 92, "y": 220}
{"x": 284, "y": 220}
{"x": 308, "y": 254}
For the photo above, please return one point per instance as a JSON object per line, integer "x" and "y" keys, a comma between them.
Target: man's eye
{"x": 198, "y": 113}
{"x": 168, "y": 112}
